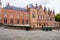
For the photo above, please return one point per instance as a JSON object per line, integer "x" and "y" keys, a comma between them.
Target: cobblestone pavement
{"x": 11, "y": 34}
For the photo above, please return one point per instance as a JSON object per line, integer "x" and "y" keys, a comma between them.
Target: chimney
{"x": 8, "y": 4}
{"x": 45, "y": 8}
{"x": 36, "y": 4}
{"x": 27, "y": 7}
{"x": 49, "y": 12}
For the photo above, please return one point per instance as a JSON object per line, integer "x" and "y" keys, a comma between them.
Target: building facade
{"x": 35, "y": 17}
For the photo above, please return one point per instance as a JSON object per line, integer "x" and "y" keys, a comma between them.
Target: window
{"x": 49, "y": 13}
{"x": 11, "y": 21}
{"x": 18, "y": 15}
{"x": 11, "y": 15}
{"x": 26, "y": 21}
{"x": 44, "y": 24}
{"x": 43, "y": 17}
{"x": 40, "y": 17}
{"x": 17, "y": 21}
{"x": 22, "y": 16}
{"x": 33, "y": 14}
{"x": 33, "y": 25}
{"x": 27, "y": 16}
{"x": 5, "y": 20}
{"x": 5, "y": 14}
{"x": 22, "y": 21}
{"x": 0, "y": 18}
{"x": 51, "y": 19}
{"x": 39, "y": 24}
{"x": 46, "y": 18}
{"x": 0, "y": 12}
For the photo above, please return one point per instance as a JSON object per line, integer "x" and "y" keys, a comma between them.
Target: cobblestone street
{"x": 12, "y": 34}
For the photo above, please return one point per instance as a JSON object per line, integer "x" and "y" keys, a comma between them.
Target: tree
{"x": 57, "y": 17}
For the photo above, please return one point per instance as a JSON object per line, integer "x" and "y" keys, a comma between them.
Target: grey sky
{"x": 52, "y": 4}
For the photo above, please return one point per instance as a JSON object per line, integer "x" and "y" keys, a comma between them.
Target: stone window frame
{"x": 11, "y": 15}
{"x": 5, "y": 20}
{"x": 51, "y": 19}
{"x": 33, "y": 26}
{"x": 0, "y": 12}
{"x": 18, "y": 21}
{"x": 33, "y": 14}
{"x": 27, "y": 21}
{"x": 27, "y": 16}
{"x": 18, "y": 15}
{"x": 5, "y": 14}
{"x": 11, "y": 21}
{"x": 40, "y": 17}
{"x": 22, "y": 21}
{"x": 0, "y": 18}
{"x": 40, "y": 24}
{"x": 44, "y": 17}
{"x": 23, "y": 16}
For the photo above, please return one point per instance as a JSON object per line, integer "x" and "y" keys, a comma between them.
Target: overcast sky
{"x": 52, "y": 4}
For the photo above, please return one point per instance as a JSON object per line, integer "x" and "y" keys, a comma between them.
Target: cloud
{"x": 52, "y": 4}
{"x": 55, "y": 4}
{"x": 44, "y": 2}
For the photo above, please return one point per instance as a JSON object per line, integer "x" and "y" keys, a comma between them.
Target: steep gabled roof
{"x": 14, "y": 8}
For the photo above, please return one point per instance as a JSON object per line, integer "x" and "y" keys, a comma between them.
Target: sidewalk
{"x": 11, "y": 34}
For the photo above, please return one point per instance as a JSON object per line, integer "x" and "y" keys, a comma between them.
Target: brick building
{"x": 30, "y": 16}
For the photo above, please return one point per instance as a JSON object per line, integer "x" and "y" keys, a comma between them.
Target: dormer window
{"x": 33, "y": 14}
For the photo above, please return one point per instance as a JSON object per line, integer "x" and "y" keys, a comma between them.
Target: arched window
{"x": 18, "y": 15}
{"x": 11, "y": 15}
{"x": 0, "y": 12}
{"x": 17, "y": 21}
{"x": 33, "y": 14}
{"x": 23, "y": 21}
{"x": 39, "y": 24}
{"x": 27, "y": 16}
{"x": 26, "y": 21}
{"x": 22, "y": 16}
{"x": 5, "y": 14}
{"x": 0, "y": 18}
{"x": 33, "y": 25}
{"x": 5, "y": 20}
{"x": 11, "y": 21}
